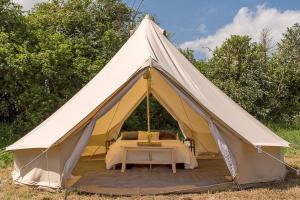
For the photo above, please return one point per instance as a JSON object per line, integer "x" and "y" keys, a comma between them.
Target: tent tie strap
{"x": 259, "y": 150}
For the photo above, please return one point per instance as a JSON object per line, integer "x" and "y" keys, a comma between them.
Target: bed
{"x": 182, "y": 153}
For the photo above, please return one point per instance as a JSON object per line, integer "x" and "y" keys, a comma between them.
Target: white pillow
{"x": 155, "y": 135}
{"x": 143, "y": 135}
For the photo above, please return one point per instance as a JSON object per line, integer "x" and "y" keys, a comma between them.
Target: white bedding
{"x": 182, "y": 153}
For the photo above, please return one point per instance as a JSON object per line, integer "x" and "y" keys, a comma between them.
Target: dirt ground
{"x": 289, "y": 189}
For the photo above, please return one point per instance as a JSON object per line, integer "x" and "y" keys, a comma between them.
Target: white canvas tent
{"x": 47, "y": 155}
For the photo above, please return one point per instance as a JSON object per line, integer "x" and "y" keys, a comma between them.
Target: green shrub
{"x": 6, "y": 159}
{"x": 6, "y": 134}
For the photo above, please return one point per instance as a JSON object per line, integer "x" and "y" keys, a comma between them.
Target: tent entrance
{"x": 180, "y": 116}
{"x": 136, "y": 120}
{"x": 121, "y": 116}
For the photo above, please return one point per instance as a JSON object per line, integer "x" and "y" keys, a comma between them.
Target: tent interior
{"x": 91, "y": 174}
{"x": 192, "y": 124}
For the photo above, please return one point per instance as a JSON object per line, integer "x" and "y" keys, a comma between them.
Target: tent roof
{"x": 148, "y": 43}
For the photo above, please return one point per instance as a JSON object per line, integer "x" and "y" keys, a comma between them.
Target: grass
{"x": 289, "y": 189}
{"x": 292, "y": 136}
{"x": 290, "y": 133}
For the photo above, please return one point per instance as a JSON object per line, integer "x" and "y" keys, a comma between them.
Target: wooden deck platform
{"x": 141, "y": 180}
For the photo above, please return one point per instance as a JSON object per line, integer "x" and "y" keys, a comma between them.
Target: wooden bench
{"x": 150, "y": 161}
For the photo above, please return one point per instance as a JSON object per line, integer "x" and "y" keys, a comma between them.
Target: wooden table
{"x": 150, "y": 161}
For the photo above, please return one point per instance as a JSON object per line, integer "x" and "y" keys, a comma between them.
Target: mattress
{"x": 182, "y": 153}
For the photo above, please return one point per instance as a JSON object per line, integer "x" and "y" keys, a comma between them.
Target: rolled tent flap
{"x": 75, "y": 156}
{"x": 225, "y": 151}
{"x": 81, "y": 144}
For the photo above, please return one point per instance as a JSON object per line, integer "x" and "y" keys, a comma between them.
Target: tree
{"x": 63, "y": 45}
{"x": 266, "y": 40}
{"x": 286, "y": 76}
{"x": 237, "y": 67}
{"x": 266, "y": 85}
{"x": 12, "y": 33}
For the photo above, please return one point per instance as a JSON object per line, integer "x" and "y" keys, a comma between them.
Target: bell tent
{"x": 47, "y": 155}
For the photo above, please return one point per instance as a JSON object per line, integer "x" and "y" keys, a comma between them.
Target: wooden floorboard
{"x": 141, "y": 180}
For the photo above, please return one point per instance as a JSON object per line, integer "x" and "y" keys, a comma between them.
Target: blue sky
{"x": 199, "y": 24}
{"x": 203, "y": 25}
{"x": 184, "y": 18}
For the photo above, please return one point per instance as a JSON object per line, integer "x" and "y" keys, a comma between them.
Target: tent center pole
{"x": 148, "y": 77}
{"x": 148, "y": 111}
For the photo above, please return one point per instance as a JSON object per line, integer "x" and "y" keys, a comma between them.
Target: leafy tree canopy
{"x": 47, "y": 55}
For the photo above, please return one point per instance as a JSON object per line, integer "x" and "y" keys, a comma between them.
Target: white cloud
{"x": 247, "y": 22}
{"x": 28, "y": 4}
